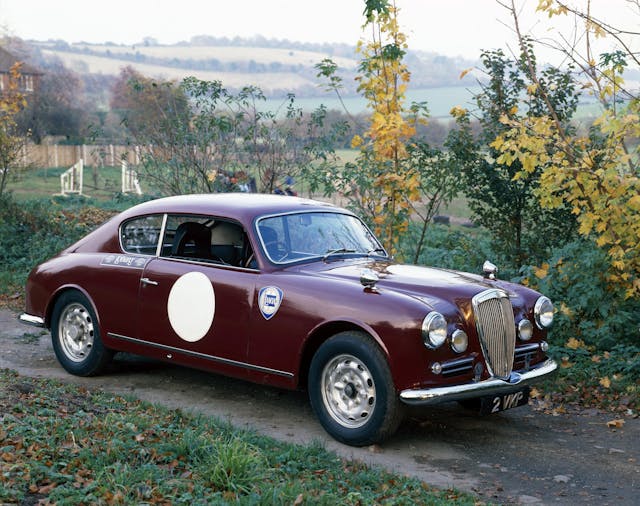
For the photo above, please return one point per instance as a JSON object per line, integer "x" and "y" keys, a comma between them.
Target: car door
{"x": 196, "y": 297}
{"x": 115, "y": 285}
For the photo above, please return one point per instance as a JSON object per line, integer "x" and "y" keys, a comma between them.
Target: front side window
{"x": 140, "y": 235}
{"x": 293, "y": 237}
{"x": 206, "y": 239}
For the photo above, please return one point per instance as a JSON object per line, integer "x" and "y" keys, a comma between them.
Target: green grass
{"x": 100, "y": 183}
{"x": 66, "y": 445}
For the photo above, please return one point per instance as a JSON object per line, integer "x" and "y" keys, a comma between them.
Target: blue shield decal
{"x": 269, "y": 300}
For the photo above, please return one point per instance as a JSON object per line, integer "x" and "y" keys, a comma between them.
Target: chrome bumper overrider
{"x": 31, "y": 320}
{"x": 493, "y": 386}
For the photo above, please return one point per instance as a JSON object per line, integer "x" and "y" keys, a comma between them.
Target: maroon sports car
{"x": 292, "y": 293}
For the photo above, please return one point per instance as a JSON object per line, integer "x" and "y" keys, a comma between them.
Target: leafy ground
{"x": 65, "y": 445}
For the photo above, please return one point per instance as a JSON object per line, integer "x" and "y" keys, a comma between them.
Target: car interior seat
{"x": 192, "y": 240}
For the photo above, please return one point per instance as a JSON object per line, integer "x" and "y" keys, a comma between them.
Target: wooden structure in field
{"x": 130, "y": 181}
{"x": 71, "y": 179}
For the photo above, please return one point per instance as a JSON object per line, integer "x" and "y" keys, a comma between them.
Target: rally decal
{"x": 269, "y": 300}
{"x": 130, "y": 261}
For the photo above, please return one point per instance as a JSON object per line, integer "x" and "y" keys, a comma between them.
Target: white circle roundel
{"x": 191, "y": 306}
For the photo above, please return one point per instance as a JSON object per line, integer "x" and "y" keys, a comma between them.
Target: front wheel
{"x": 75, "y": 334}
{"x": 352, "y": 391}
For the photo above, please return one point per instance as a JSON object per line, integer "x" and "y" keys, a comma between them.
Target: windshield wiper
{"x": 336, "y": 252}
{"x": 375, "y": 250}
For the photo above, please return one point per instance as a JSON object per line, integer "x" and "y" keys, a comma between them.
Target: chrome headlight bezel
{"x": 459, "y": 341}
{"x": 543, "y": 312}
{"x": 525, "y": 330}
{"x": 434, "y": 330}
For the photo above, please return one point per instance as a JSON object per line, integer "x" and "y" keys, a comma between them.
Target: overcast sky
{"x": 451, "y": 27}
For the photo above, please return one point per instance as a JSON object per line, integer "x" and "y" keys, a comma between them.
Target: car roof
{"x": 244, "y": 207}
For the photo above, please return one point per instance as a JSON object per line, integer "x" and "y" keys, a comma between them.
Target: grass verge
{"x": 65, "y": 445}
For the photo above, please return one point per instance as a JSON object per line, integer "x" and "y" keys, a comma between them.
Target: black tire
{"x": 75, "y": 334}
{"x": 351, "y": 367}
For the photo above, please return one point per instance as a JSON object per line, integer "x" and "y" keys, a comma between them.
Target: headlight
{"x": 543, "y": 312}
{"x": 459, "y": 341}
{"x": 434, "y": 330}
{"x": 525, "y": 329}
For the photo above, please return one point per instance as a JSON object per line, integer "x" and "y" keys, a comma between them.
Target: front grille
{"x": 496, "y": 330}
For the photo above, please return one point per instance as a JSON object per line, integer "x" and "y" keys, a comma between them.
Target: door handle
{"x": 147, "y": 281}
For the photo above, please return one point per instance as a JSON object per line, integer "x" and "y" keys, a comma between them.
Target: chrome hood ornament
{"x": 489, "y": 270}
{"x": 369, "y": 278}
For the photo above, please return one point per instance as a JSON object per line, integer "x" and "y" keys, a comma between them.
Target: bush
{"x": 448, "y": 247}
{"x": 589, "y": 308}
{"x": 32, "y": 231}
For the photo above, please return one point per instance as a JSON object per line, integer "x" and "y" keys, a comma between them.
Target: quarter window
{"x": 141, "y": 235}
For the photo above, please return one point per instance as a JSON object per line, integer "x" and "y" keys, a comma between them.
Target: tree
{"x": 56, "y": 107}
{"x": 501, "y": 199}
{"x": 596, "y": 173}
{"x": 12, "y": 101}
{"x": 397, "y": 177}
{"x": 197, "y": 136}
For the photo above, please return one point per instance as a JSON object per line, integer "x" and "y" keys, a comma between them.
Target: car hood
{"x": 430, "y": 285}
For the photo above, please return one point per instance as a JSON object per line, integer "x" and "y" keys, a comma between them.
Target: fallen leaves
{"x": 605, "y": 382}
{"x": 616, "y": 424}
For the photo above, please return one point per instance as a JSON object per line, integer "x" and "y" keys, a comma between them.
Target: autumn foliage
{"x": 595, "y": 172}
{"x": 12, "y": 101}
{"x": 383, "y": 82}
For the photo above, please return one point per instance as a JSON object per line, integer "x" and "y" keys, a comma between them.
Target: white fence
{"x": 130, "y": 181}
{"x": 71, "y": 179}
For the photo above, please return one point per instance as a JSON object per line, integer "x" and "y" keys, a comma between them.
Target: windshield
{"x": 293, "y": 237}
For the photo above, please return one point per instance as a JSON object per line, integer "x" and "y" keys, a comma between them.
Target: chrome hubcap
{"x": 76, "y": 332}
{"x": 348, "y": 391}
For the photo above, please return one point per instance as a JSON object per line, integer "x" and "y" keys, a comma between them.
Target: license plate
{"x": 497, "y": 403}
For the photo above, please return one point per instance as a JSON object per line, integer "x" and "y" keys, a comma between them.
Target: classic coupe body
{"x": 292, "y": 293}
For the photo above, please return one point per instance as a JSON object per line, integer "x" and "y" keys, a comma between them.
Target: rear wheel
{"x": 352, "y": 391}
{"x": 76, "y": 337}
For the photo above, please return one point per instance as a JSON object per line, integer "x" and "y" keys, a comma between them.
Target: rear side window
{"x": 141, "y": 235}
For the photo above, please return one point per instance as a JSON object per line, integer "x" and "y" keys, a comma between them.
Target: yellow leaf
{"x": 529, "y": 163}
{"x": 458, "y": 112}
{"x": 615, "y": 424}
{"x": 497, "y": 144}
{"x": 542, "y": 271}
{"x": 605, "y": 382}
{"x": 574, "y": 343}
{"x": 465, "y": 72}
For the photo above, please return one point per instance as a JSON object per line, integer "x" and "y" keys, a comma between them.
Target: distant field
{"x": 224, "y": 54}
{"x": 268, "y": 81}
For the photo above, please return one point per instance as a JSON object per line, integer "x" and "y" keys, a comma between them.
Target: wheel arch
{"x": 322, "y": 333}
{"x": 59, "y": 293}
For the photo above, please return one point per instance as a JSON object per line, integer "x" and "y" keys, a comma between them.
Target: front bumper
{"x": 492, "y": 386}
{"x": 30, "y": 319}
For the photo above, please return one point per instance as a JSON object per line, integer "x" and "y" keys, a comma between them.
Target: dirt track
{"x": 520, "y": 456}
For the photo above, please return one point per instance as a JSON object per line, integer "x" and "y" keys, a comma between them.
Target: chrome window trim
{"x": 208, "y": 264}
{"x": 213, "y": 358}
{"x": 314, "y": 211}
{"x": 163, "y": 228}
